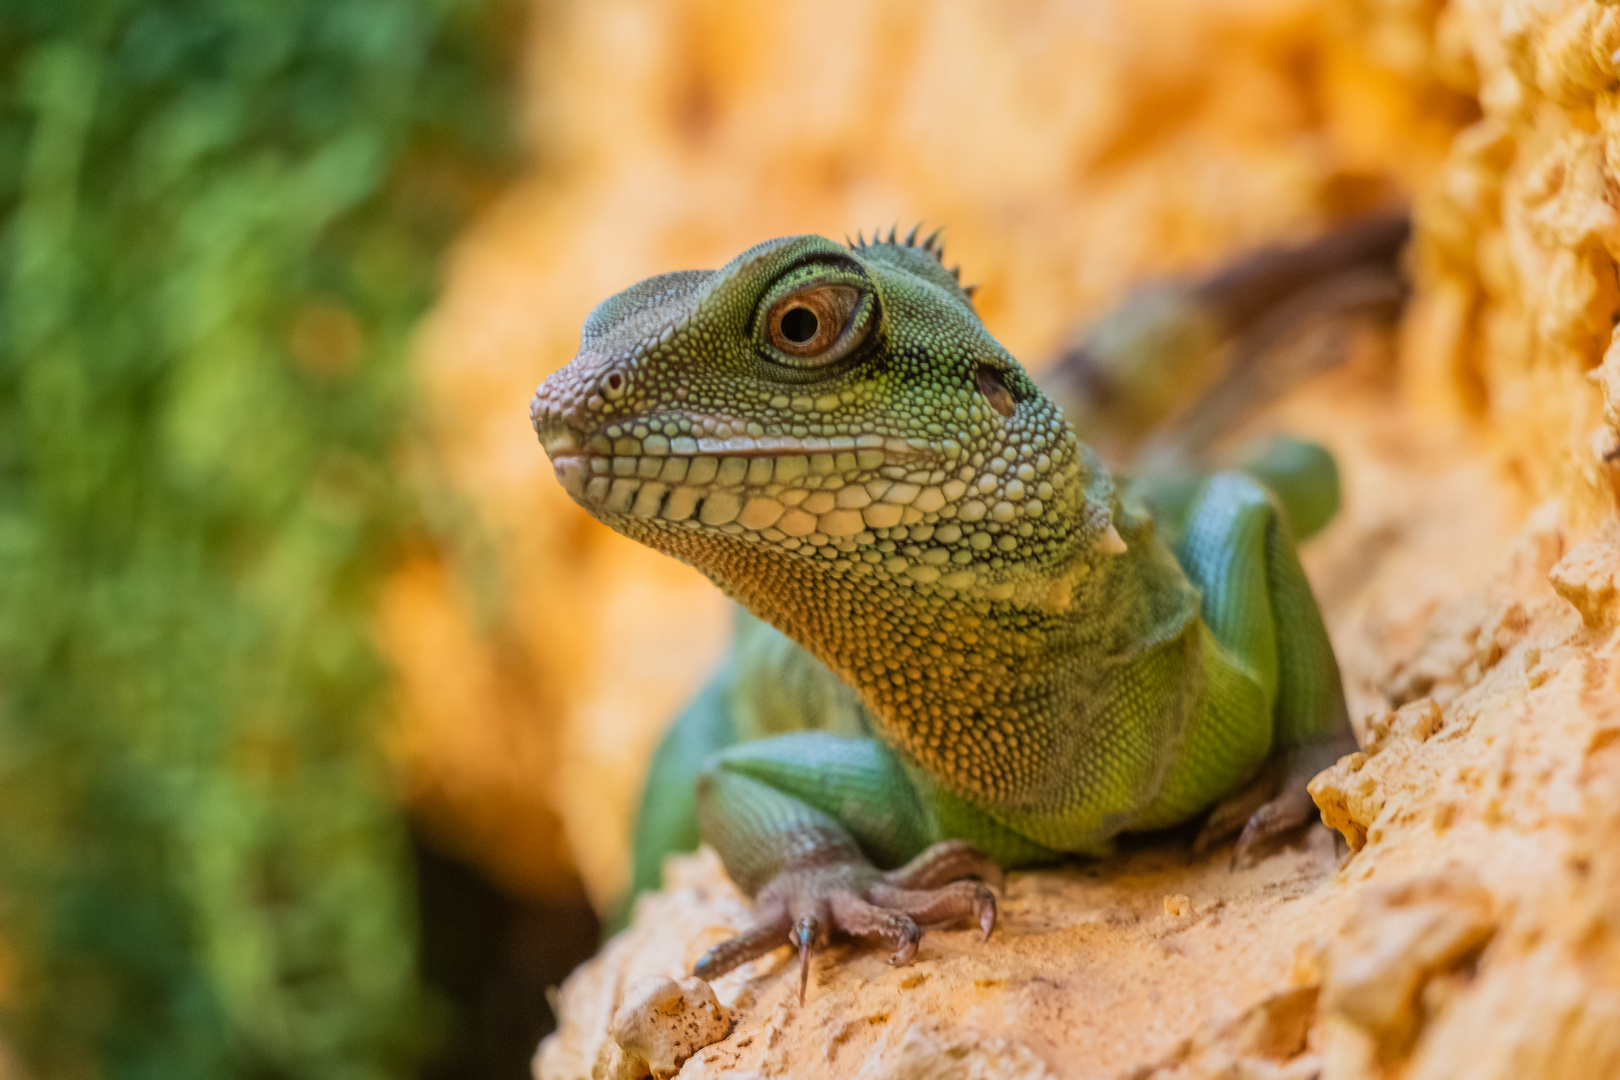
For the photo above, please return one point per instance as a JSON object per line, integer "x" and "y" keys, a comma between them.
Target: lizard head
{"x": 838, "y": 408}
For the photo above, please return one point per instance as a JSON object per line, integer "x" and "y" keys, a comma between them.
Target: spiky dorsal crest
{"x": 925, "y": 258}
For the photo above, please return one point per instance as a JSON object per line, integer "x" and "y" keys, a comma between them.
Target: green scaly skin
{"x": 974, "y": 650}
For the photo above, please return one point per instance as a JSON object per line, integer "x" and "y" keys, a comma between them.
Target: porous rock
{"x": 659, "y": 1025}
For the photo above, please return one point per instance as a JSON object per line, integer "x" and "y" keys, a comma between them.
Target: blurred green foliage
{"x": 219, "y": 222}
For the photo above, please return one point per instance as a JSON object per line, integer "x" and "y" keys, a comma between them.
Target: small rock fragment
{"x": 659, "y": 1025}
{"x": 1419, "y": 720}
{"x": 931, "y": 1050}
{"x": 1267, "y": 1041}
{"x": 1500, "y": 632}
{"x": 1535, "y": 675}
{"x": 1398, "y": 941}
{"x": 1275, "y": 1028}
{"x": 1586, "y": 578}
{"x": 1416, "y": 720}
{"x": 1177, "y": 906}
{"x": 1349, "y": 802}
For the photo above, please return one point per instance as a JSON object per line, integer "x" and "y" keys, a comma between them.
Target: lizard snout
{"x": 567, "y": 412}
{"x": 565, "y": 408}
{"x": 554, "y": 411}
{"x": 578, "y": 395}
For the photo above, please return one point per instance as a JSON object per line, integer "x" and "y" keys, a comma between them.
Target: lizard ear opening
{"x": 995, "y": 391}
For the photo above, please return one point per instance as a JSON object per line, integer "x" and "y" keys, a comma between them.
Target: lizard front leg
{"x": 666, "y": 821}
{"x": 1258, "y": 603}
{"x": 804, "y": 823}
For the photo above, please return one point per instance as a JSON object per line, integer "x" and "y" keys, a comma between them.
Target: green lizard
{"x": 970, "y": 648}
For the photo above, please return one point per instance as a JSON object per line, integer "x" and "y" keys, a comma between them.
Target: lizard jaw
{"x": 906, "y": 510}
{"x": 839, "y": 486}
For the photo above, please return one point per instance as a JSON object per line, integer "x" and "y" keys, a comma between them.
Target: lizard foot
{"x": 1272, "y": 808}
{"x": 806, "y": 905}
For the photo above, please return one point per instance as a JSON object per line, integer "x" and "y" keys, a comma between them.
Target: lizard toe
{"x": 1232, "y": 814}
{"x": 1273, "y": 824}
{"x": 805, "y": 906}
{"x": 946, "y": 861}
{"x": 1286, "y": 806}
{"x": 948, "y": 905}
{"x": 767, "y": 932}
{"x": 857, "y": 916}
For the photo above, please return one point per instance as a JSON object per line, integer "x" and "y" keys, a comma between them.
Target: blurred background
{"x": 323, "y": 711}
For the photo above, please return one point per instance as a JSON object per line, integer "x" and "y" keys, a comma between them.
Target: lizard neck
{"x": 977, "y": 681}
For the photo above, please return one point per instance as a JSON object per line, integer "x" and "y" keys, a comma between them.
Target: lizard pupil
{"x": 806, "y": 325}
{"x": 799, "y": 325}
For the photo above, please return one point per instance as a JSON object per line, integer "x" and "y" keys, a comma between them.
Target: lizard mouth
{"x": 831, "y": 487}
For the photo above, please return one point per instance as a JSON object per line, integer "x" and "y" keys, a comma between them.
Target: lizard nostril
{"x": 613, "y": 385}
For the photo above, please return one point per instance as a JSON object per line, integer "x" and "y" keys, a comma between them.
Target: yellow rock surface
{"x": 1518, "y": 240}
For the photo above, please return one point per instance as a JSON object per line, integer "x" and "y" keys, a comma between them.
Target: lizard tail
{"x": 1182, "y": 363}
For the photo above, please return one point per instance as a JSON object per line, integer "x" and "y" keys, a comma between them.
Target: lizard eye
{"x": 809, "y": 324}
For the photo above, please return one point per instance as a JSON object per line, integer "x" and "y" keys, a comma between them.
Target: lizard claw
{"x": 1269, "y": 827}
{"x": 1233, "y": 813}
{"x": 1272, "y": 808}
{"x": 804, "y": 905}
{"x": 805, "y": 932}
{"x": 766, "y": 933}
{"x": 907, "y": 952}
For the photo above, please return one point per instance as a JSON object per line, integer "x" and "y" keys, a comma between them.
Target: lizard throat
{"x": 959, "y": 679}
